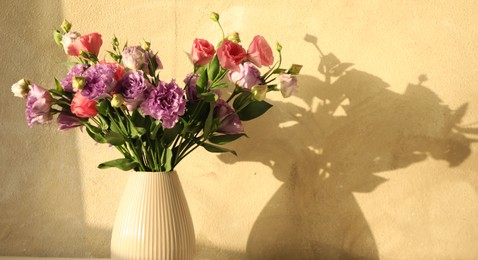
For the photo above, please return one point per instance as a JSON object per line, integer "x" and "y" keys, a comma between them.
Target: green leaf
{"x": 213, "y": 68}
{"x": 220, "y": 85}
{"x": 102, "y": 107}
{"x": 241, "y": 100}
{"x": 114, "y": 138}
{"x": 55, "y": 92}
{"x": 224, "y": 139}
{"x": 170, "y": 134}
{"x": 217, "y": 149}
{"x": 294, "y": 69}
{"x": 59, "y": 88}
{"x": 104, "y": 122}
{"x": 201, "y": 83}
{"x": 208, "y": 124}
{"x": 279, "y": 71}
{"x": 154, "y": 128}
{"x": 253, "y": 110}
{"x": 57, "y": 36}
{"x": 124, "y": 164}
{"x": 209, "y": 97}
{"x": 166, "y": 159}
{"x": 95, "y": 134}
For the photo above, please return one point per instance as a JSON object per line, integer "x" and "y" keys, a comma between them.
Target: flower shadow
{"x": 345, "y": 130}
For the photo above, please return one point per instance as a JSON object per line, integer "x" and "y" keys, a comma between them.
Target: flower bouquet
{"x": 153, "y": 123}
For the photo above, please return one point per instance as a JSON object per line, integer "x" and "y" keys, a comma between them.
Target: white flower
{"x": 21, "y": 88}
{"x": 133, "y": 57}
{"x": 68, "y": 39}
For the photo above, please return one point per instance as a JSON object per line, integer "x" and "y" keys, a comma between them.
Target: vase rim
{"x": 141, "y": 172}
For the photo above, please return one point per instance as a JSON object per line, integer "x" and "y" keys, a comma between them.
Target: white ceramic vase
{"x": 153, "y": 219}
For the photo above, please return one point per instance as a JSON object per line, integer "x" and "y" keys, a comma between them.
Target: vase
{"x": 153, "y": 219}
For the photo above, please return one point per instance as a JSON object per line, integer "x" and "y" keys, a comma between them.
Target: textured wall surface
{"x": 376, "y": 166}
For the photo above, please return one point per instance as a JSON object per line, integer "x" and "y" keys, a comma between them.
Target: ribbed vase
{"x": 153, "y": 219}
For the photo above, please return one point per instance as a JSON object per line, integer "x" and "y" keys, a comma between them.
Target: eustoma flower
{"x": 132, "y": 87}
{"x": 66, "y": 121}
{"x": 76, "y": 70}
{"x": 191, "y": 91}
{"x": 259, "y": 52}
{"x": 229, "y": 122}
{"x": 73, "y": 43}
{"x": 133, "y": 57}
{"x": 287, "y": 84}
{"x": 100, "y": 81}
{"x": 164, "y": 102}
{"x": 230, "y": 55}
{"x": 202, "y": 52}
{"x": 38, "y": 106}
{"x": 247, "y": 77}
{"x": 83, "y": 107}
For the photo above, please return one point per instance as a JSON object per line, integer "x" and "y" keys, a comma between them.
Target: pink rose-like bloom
{"x": 88, "y": 43}
{"x": 259, "y": 52}
{"x": 38, "y": 106}
{"x": 82, "y": 106}
{"x": 247, "y": 77}
{"x": 230, "y": 55}
{"x": 229, "y": 122}
{"x": 202, "y": 52}
{"x": 287, "y": 84}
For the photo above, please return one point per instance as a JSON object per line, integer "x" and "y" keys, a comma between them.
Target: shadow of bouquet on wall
{"x": 347, "y": 127}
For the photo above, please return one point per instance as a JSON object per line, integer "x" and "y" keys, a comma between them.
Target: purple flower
{"x": 100, "y": 81}
{"x": 229, "y": 122}
{"x": 66, "y": 121}
{"x": 247, "y": 77}
{"x": 76, "y": 70}
{"x": 165, "y": 102}
{"x": 38, "y": 106}
{"x": 191, "y": 91}
{"x": 132, "y": 86}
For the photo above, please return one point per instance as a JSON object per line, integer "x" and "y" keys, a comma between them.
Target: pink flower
{"x": 287, "y": 84}
{"x": 202, "y": 52}
{"x": 247, "y": 77}
{"x": 230, "y": 55}
{"x": 82, "y": 106}
{"x": 259, "y": 52}
{"x": 74, "y": 43}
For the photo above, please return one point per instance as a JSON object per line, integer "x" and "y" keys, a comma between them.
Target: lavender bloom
{"x": 165, "y": 102}
{"x": 100, "y": 81}
{"x": 76, "y": 70}
{"x": 38, "y": 106}
{"x": 132, "y": 86}
{"x": 133, "y": 57}
{"x": 191, "y": 91}
{"x": 229, "y": 122}
{"x": 66, "y": 121}
{"x": 247, "y": 77}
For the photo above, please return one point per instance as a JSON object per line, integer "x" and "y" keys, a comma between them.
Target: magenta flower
{"x": 100, "y": 81}
{"x": 38, "y": 106}
{"x": 165, "y": 102}
{"x": 76, "y": 70}
{"x": 132, "y": 86}
{"x": 66, "y": 121}
{"x": 247, "y": 77}
{"x": 229, "y": 122}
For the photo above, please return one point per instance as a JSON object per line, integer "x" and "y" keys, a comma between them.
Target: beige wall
{"x": 388, "y": 178}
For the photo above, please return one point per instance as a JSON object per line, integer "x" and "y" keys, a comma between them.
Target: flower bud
{"x": 214, "y": 16}
{"x": 66, "y": 26}
{"x": 278, "y": 47}
{"x": 145, "y": 45}
{"x": 259, "y": 92}
{"x": 115, "y": 41}
{"x": 78, "y": 82}
{"x": 21, "y": 88}
{"x": 117, "y": 100}
{"x": 234, "y": 37}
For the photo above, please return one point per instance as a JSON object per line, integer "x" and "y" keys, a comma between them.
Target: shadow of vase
{"x": 328, "y": 144}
